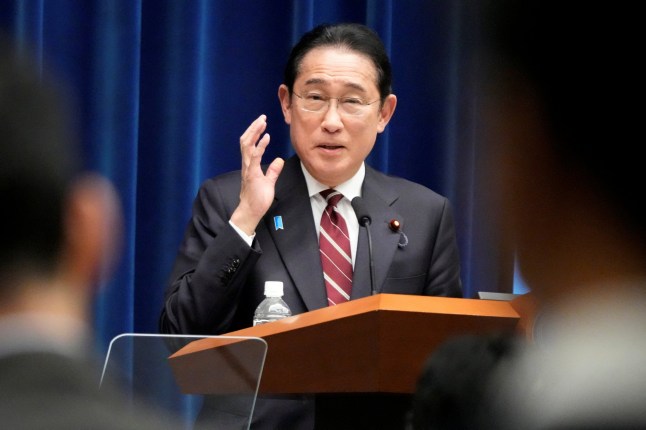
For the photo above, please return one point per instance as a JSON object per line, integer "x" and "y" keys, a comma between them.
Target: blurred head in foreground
{"x": 562, "y": 83}
{"x": 562, "y": 93}
{"x": 59, "y": 224}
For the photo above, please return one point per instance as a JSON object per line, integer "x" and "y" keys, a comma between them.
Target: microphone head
{"x": 361, "y": 211}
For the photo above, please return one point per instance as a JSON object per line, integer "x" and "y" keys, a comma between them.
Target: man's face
{"x": 333, "y": 143}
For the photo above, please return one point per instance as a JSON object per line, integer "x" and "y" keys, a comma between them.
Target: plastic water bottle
{"x": 273, "y": 307}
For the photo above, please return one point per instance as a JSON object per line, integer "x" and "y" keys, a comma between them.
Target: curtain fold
{"x": 165, "y": 88}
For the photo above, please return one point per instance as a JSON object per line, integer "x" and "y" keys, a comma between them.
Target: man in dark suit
{"x": 57, "y": 239}
{"x": 262, "y": 223}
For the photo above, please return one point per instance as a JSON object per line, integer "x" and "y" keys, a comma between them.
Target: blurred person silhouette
{"x": 563, "y": 116}
{"x": 453, "y": 385}
{"x": 58, "y": 238}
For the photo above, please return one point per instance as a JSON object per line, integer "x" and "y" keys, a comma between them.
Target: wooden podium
{"x": 376, "y": 344}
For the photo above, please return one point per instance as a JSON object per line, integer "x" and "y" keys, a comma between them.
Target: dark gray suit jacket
{"x": 50, "y": 391}
{"x": 217, "y": 280}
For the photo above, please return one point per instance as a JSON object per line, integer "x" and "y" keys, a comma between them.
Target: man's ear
{"x": 93, "y": 232}
{"x": 386, "y": 112}
{"x": 285, "y": 102}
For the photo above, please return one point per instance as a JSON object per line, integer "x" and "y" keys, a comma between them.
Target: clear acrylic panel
{"x": 146, "y": 367}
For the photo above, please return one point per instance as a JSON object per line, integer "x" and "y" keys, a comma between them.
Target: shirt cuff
{"x": 243, "y": 235}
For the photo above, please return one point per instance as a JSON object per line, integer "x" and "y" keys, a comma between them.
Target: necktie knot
{"x": 332, "y": 196}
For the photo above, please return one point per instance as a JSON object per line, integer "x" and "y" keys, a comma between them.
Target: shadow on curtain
{"x": 165, "y": 88}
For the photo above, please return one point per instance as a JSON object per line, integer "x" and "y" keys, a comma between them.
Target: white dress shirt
{"x": 350, "y": 189}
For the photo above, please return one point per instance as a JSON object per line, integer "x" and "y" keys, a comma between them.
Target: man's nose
{"x": 332, "y": 118}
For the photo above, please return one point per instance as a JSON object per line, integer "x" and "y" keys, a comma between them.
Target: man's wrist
{"x": 247, "y": 238}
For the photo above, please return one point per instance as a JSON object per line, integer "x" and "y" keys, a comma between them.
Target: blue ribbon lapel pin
{"x": 278, "y": 223}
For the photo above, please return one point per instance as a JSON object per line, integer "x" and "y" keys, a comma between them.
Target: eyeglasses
{"x": 317, "y": 103}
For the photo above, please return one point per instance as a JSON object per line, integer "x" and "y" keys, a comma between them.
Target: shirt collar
{"x": 350, "y": 188}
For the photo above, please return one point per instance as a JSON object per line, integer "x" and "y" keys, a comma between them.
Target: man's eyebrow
{"x": 316, "y": 81}
{"x": 319, "y": 81}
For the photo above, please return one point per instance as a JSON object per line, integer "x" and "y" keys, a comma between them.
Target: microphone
{"x": 364, "y": 219}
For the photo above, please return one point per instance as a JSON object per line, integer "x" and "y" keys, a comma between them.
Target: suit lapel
{"x": 378, "y": 198}
{"x": 296, "y": 242}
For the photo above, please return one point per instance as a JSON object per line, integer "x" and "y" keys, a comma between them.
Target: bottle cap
{"x": 273, "y": 288}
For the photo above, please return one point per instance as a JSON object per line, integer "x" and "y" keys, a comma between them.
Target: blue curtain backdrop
{"x": 166, "y": 87}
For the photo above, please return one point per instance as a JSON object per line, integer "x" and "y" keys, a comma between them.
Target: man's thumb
{"x": 275, "y": 168}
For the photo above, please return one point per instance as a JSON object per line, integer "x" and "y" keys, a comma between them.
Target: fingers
{"x": 274, "y": 169}
{"x": 249, "y": 142}
{"x": 259, "y": 149}
{"x": 252, "y": 133}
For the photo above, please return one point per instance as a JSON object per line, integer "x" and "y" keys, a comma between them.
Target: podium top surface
{"x": 401, "y": 303}
{"x": 373, "y": 344}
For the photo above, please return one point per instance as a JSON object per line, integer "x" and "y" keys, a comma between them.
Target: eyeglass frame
{"x": 338, "y": 104}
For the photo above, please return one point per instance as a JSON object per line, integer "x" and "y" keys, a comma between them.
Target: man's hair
{"x": 351, "y": 36}
{"x": 37, "y": 159}
{"x": 454, "y": 385}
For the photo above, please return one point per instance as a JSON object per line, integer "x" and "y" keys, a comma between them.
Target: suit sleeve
{"x": 210, "y": 269}
{"x": 444, "y": 272}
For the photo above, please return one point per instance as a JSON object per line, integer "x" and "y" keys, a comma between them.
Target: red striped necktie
{"x": 336, "y": 256}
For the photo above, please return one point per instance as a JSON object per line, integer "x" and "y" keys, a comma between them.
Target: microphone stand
{"x": 364, "y": 221}
{"x": 372, "y": 263}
